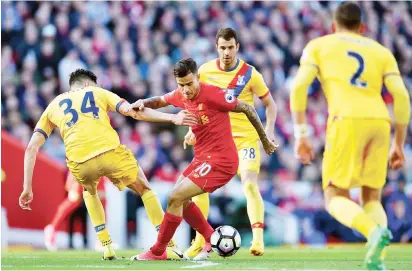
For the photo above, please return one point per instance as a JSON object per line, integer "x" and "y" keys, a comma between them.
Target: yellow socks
{"x": 374, "y": 210}
{"x": 351, "y": 215}
{"x": 255, "y": 210}
{"x": 153, "y": 208}
{"x": 96, "y": 213}
{"x": 202, "y": 201}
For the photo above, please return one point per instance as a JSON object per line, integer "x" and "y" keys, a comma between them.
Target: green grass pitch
{"x": 298, "y": 258}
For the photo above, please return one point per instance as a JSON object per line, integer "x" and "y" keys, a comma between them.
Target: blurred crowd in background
{"x": 132, "y": 46}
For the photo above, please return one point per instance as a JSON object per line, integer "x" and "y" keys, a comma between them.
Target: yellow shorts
{"x": 119, "y": 165}
{"x": 356, "y": 153}
{"x": 249, "y": 154}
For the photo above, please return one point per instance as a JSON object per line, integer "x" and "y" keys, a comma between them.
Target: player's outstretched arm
{"x": 250, "y": 112}
{"x": 153, "y": 103}
{"x": 37, "y": 140}
{"x": 147, "y": 114}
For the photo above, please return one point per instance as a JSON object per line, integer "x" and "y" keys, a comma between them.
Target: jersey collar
{"x": 230, "y": 70}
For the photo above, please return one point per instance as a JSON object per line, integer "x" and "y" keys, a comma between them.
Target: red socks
{"x": 166, "y": 232}
{"x": 65, "y": 208}
{"x": 197, "y": 221}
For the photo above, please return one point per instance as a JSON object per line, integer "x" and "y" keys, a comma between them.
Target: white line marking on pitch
{"x": 200, "y": 264}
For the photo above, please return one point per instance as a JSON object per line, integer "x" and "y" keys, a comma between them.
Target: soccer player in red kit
{"x": 215, "y": 156}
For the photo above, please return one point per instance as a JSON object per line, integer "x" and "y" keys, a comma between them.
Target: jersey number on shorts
{"x": 88, "y": 97}
{"x": 249, "y": 154}
{"x": 355, "y": 78}
{"x": 203, "y": 169}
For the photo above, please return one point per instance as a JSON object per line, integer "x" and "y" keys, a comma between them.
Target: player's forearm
{"x": 298, "y": 95}
{"x": 271, "y": 113}
{"x": 29, "y": 162}
{"x": 401, "y": 131}
{"x": 401, "y": 102}
{"x": 300, "y": 128}
{"x": 153, "y": 116}
{"x": 252, "y": 116}
{"x": 155, "y": 102}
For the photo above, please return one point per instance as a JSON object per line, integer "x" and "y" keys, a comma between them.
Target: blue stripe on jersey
{"x": 246, "y": 79}
{"x": 41, "y": 132}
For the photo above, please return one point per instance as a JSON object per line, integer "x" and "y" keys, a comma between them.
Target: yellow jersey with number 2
{"x": 351, "y": 69}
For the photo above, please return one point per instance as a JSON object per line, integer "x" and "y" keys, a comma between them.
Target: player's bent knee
{"x": 249, "y": 177}
{"x": 175, "y": 200}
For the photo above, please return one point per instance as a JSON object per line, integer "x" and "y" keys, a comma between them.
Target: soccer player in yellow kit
{"x": 93, "y": 149}
{"x": 243, "y": 81}
{"x": 352, "y": 70}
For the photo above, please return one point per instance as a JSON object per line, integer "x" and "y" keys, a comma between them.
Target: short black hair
{"x": 227, "y": 34}
{"x": 349, "y": 15}
{"x": 185, "y": 66}
{"x": 80, "y": 74}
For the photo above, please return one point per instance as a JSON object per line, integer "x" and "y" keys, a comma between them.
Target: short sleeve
{"x": 113, "y": 101}
{"x": 309, "y": 55}
{"x": 258, "y": 84}
{"x": 201, "y": 73}
{"x": 391, "y": 67}
{"x": 221, "y": 100}
{"x": 174, "y": 98}
{"x": 44, "y": 125}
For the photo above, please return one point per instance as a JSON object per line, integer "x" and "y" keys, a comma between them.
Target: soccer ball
{"x": 225, "y": 240}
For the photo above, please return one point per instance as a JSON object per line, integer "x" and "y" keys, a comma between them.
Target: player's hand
{"x": 25, "y": 199}
{"x": 190, "y": 139}
{"x": 269, "y": 146}
{"x": 185, "y": 118}
{"x": 396, "y": 157}
{"x": 139, "y": 105}
{"x": 304, "y": 150}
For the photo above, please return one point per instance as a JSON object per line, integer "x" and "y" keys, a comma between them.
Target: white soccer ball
{"x": 225, "y": 241}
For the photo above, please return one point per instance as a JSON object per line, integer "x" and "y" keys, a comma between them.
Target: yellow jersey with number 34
{"x": 242, "y": 81}
{"x": 351, "y": 69}
{"x": 81, "y": 116}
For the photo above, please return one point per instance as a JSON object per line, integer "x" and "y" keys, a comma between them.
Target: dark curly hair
{"x": 185, "y": 66}
{"x": 80, "y": 75}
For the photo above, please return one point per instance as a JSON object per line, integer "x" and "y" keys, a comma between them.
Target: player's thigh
{"x": 208, "y": 175}
{"x": 339, "y": 161}
{"x": 249, "y": 158}
{"x": 87, "y": 174}
{"x": 375, "y": 163}
{"x": 121, "y": 167}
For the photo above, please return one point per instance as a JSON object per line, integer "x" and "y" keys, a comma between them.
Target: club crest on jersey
{"x": 229, "y": 98}
{"x": 204, "y": 119}
{"x": 240, "y": 80}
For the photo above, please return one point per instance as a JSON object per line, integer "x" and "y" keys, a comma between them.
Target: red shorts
{"x": 209, "y": 175}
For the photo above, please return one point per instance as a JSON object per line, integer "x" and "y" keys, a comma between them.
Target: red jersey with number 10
{"x": 214, "y": 139}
